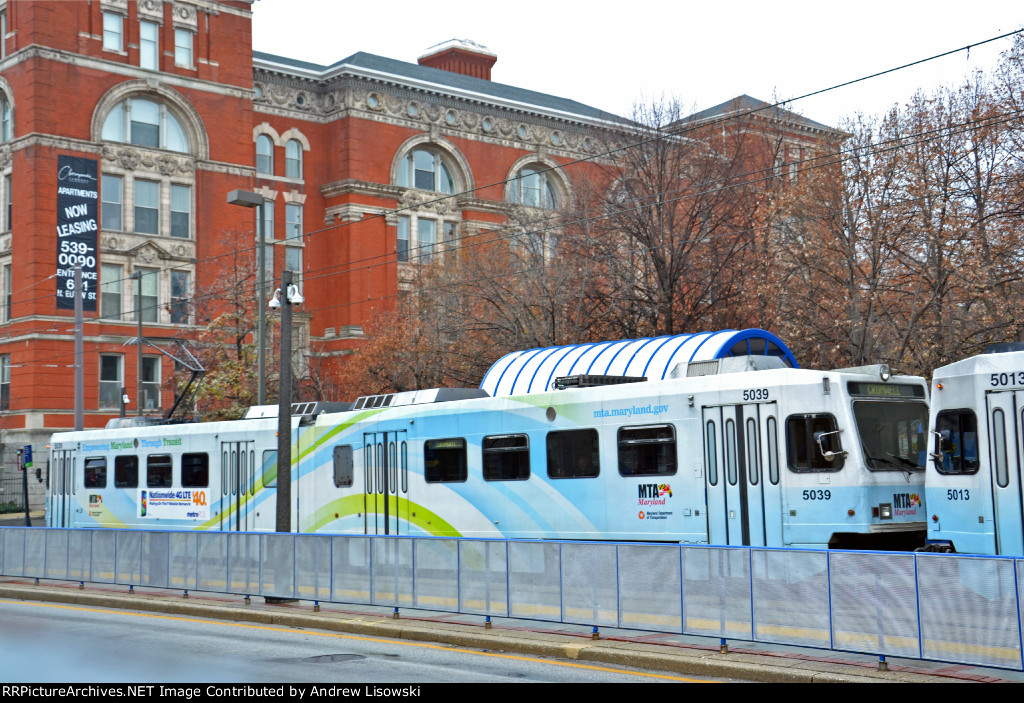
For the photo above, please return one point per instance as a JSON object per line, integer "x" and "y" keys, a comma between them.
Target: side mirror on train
{"x": 940, "y": 438}
{"x": 819, "y": 438}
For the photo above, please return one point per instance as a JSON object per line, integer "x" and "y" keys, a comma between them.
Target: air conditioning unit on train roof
{"x": 730, "y": 364}
{"x": 426, "y": 395}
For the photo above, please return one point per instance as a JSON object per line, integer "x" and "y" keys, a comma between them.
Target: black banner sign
{"x": 77, "y": 229}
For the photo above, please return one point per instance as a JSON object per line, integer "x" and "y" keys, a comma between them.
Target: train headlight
{"x": 883, "y": 372}
{"x": 885, "y": 511}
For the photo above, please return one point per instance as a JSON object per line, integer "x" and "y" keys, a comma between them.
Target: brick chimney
{"x": 460, "y": 56}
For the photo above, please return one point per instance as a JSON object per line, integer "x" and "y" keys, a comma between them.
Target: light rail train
{"x": 735, "y": 449}
{"x": 974, "y": 488}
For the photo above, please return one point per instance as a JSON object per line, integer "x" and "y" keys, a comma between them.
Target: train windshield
{"x": 892, "y": 434}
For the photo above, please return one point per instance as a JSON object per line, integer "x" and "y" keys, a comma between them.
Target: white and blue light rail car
{"x": 973, "y": 478}
{"x": 741, "y": 451}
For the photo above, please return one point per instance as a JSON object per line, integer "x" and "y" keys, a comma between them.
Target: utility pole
{"x": 138, "y": 316}
{"x": 79, "y": 354}
{"x": 284, "y": 411}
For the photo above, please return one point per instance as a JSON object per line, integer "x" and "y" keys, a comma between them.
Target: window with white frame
{"x": 6, "y": 119}
{"x": 268, "y": 220}
{"x": 112, "y": 206}
{"x": 293, "y": 220}
{"x": 419, "y": 237}
{"x": 181, "y": 209}
{"x": 533, "y": 186}
{"x": 293, "y": 262}
{"x": 111, "y": 380}
{"x": 149, "y": 199}
{"x": 147, "y": 206}
{"x": 145, "y": 122}
{"x": 111, "y": 287}
{"x": 264, "y": 155}
{"x": 149, "y": 45}
{"x": 3, "y": 33}
{"x": 425, "y": 169}
{"x": 113, "y": 31}
{"x": 8, "y": 292}
{"x": 180, "y": 297}
{"x": 148, "y": 306}
{"x": 149, "y": 392}
{"x": 5, "y": 381}
{"x": 183, "y": 48}
{"x": 293, "y": 159}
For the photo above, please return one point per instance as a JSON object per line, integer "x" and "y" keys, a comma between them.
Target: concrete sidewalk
{"x": 655, "y": 651}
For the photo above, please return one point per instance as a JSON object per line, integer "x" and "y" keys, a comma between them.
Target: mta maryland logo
{"x": 906, "y": 500}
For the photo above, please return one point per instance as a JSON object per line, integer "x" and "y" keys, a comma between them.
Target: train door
{"x": 1005, "y": 420}
{"x": 744, "y": 499}
{"x": 238, "y": 473}
{"x": 63, "y": 488}
{"x": 386, "y": 481}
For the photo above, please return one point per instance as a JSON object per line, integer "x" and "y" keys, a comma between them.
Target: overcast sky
{"x": 611, "y": 55}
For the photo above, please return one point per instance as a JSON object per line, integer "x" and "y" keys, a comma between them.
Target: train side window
{"x": 392, "y": 468}
{"x": 96, "y": 472}
{"x": 648, "y": 450}
{"x": 368, "y": 468}
{"x": 753, "y": 456}
{"x": 126, "y": 472}
{"x": 269, "y": 471}
{"x": 405, "y": 467}
{"x": 999, "y": 444}
{"x": 343, "y": 467}
{"x": 444, "y": 460}
{"x": 158, "y": 471}
{"x": 573, "y": 454}
{"x": 712, "y": 451}
{"x": 195, "y": 470}
{"x": 731, "y": 462}
{"x": 773, "y": 451}
{"x": 802, "y": 449}
{"x": 506, "y": 457}
{"x": 957, "y": 442}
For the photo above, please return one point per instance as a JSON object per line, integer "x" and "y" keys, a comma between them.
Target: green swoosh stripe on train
{"x": 414, "y": 513}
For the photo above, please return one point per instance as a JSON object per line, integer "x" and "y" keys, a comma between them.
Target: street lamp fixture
{"x": 245, "y": 198}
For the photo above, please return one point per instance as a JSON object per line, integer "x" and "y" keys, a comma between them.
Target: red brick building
{"x": 160, "y": 108}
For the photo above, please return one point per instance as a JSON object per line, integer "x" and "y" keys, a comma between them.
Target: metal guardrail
{"x": 941, "y": 607}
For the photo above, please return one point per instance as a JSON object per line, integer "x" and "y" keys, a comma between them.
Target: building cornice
{"x": 36, "y": 51}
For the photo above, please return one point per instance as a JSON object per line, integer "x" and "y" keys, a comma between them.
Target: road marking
{"x": 424, "y": 645}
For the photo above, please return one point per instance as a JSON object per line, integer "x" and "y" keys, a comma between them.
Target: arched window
{"x": 6, "y": 121}
{"x": 425, "y": 170}
{"x": 145, "y": 122}
{"x": 533, "y": 187}
{"x": 293, "y": 159}
{"x": 264, "y": 155}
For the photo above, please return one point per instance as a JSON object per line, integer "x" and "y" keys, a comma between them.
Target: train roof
{"x": 534, "y": 370}
{"x": 986, "y": 363}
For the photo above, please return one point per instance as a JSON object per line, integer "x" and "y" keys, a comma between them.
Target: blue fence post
{"x": 750, "y": 577}
{"x": 831, "y": 623}
{"x": 1016, "y": 598}
{"x": 917, "y": 597}
{"x": 682, "y": 600}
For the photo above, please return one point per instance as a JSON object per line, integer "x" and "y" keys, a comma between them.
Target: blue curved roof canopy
{"x": 534, "y": 370}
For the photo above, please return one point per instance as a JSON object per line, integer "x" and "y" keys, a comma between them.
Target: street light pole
{"x": 137, "y": 275}
{"x": 245, "y": 198}
{"x": 284, "y": 409}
